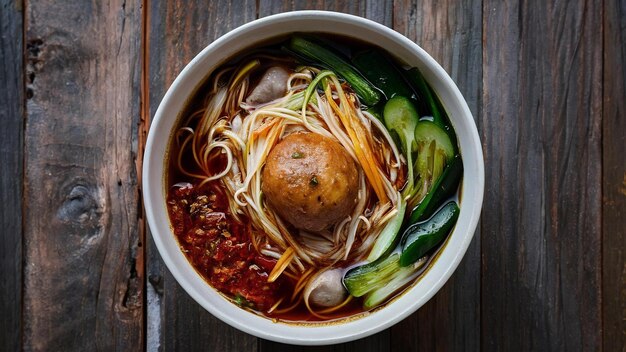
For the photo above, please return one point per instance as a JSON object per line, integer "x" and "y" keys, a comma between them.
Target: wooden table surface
{"x": 545, "y": 80}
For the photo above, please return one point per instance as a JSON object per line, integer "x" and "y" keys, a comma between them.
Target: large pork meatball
{"x": 310, "y": 181}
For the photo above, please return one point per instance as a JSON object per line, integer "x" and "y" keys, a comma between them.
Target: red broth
{"x": 219, "y": 247}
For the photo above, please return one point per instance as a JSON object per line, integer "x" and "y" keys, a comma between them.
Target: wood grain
{"x": 269, "y": 7}
{"x": 83, "y": 279}
{"x": 546, "y": 84}
{"x": 11, "y": 172}
{"x": 540, "y": 128}
{"x": 614, "y": 177}
{"x": 178, "y": 31}
{"x": 450, "y": 31}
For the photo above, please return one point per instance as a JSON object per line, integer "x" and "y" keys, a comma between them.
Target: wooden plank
{"x": 375, "y": 343}
{"x": 379, "y": 11}
{"x": 178, "y": 31}
{"x": 451, "y": 32}
{"x": 614, "y": 177}
{"x": 11, "y": 149}
{"x": 83, "y": 274}
{"x": 270, "y": 7}
{"x": 540, "y": 127}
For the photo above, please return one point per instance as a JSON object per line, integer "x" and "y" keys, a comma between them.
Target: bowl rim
{"x": 322, "y": 334}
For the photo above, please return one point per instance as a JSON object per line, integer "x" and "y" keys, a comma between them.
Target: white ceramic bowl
{"x": 247, "y": 36}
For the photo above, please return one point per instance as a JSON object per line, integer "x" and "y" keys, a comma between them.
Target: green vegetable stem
{"x": 432, "y": 102}
{"x": 365, "y": 278}
{"x": 379, "y": 70}
{"x": 380, "y": 279}
{"x": 445, "y": 186}
{"x": 387, "y": 239}
{"x": 318, "y": 54}
{"x": 434, "y": 152}
{"x": 401, "y": 119}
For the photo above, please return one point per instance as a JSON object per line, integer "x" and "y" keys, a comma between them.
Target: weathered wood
{"x": 83, "y": 274}
{"x": 554, "y": 84}
{"x": 614, "y": 177}
{"x": 11, "y": 152}
{"x": 540, "y": 128}
{"x": 375, "y": 343}
{"x": 269, "y": 7}
{"x": 178, "y": 30}
{"x": 450, "y": 31}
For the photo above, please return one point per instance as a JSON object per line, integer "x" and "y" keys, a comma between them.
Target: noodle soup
{"x": 313, "y": 179}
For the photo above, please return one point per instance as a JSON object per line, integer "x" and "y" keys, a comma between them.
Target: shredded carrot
{"x": 321, "y": 314}
{"x": 281, "y": 265}
{"x": 291, "y": 307}
{"x": 362, "y": 151}
{"x": 265, "y": 128}
{"x": 337, "y": 307}
{"x": 290, "y": 275}
{"x": 275, "y": 305}
{"x": 302, "y": 283}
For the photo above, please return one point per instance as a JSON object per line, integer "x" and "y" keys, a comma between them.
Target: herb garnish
{"x": 242, "y": 302}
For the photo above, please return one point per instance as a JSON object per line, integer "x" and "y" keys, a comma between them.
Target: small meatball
{"x": 272, "y": 85}
{"x": 310, "y": 181}
{"x": 327, "y": 289}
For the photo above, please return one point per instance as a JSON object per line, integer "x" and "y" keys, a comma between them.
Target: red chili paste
{"x": 219, "y": 247}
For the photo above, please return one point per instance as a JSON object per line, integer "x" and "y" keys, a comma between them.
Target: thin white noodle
{"x": 269, "y": 253}
{"x": 247, "y": 133}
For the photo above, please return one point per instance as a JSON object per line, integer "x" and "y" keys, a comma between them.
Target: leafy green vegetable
{"x": 365, "y": 278}
{"x": 432, "y": 102}
{"x": 380, "y": 279}
{"x": 443, "y": 189}
{"x": 321, "y": 55}
{"x": 242, "y": 301}
{"x": 397, "y": 280}
{"x": 434, "y": 152}
{"x": 308, "y": 93}
{"x": 387, "y": 239}
{"x": 377, "y": 281}
{"x": 381, "y": 71}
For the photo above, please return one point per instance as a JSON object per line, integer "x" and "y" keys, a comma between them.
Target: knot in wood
{"x": 81, "y": 206}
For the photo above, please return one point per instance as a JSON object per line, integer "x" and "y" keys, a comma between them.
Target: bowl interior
{"x": 247, "y": 36}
